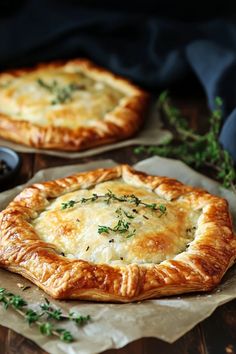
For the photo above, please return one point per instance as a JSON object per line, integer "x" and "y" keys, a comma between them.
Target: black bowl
{"x": 13, "y": 160}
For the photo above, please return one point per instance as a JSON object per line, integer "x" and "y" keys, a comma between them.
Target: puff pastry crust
{"x": 72, "y": 105}
{"x": 185, "y": 248}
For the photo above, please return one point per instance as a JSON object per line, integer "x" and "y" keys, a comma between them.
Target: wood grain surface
{"x": 217, "y": 334}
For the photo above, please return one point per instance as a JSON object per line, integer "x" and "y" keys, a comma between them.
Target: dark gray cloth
{"x": 134, "y": 41}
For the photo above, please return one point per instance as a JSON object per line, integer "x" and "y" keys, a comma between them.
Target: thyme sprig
{"x": 47, "y": 310}
{"x": 110, "y": 196}
{"x": 62, "y": 93}
{"x": 193, "y": 148}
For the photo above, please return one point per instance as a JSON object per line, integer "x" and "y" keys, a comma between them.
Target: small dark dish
{"x": 9, "y": 166}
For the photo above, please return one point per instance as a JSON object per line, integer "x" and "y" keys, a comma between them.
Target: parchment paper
{"x": 150, "y": 134}
{"x": 115, "y": 325}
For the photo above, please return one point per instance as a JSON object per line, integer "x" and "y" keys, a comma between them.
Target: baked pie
{"x": 117, "y": 235}
{"x": 73, "y": 105}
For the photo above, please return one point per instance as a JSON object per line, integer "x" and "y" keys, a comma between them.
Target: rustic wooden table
{"x": 217, "y": 334}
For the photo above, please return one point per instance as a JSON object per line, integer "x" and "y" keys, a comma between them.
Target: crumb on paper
{"x": 229, "y": 349}
{"x": 23, "y": 287}
{"x": 20, "y": 285}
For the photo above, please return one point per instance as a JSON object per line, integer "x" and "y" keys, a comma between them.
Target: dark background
{"x": 157, "y": 44}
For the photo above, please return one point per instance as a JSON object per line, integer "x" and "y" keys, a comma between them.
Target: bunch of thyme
{"x": 193, "y": 148}
{"x": 42, "y": 318}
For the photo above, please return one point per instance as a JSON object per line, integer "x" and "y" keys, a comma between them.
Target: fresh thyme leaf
{"x": 55, "y": 314}
{"x": 103, "y": 229}
{"x": 46, "y": 329}
{"x": 50, "y": 311}
{"x": 195, "y": 149}
{"x": 162, "y": 209}
{"x": 69, "y": 204}
{"x": 17, "y": 301}
{"x": 79, "y": 319}
{"x": 65, "y": 335}
{"x": 122, "y": 226}
{"x": 31, "y": 316}
{"x": 152, "y": 206}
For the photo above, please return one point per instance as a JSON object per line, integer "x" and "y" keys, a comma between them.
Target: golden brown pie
{"x": 71, "y": 105}
{"x": 117, "y": 235}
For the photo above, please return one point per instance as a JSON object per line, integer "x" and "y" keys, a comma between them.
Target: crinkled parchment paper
{"x": 115, "y": 325}
{"x": 150, "y": 134}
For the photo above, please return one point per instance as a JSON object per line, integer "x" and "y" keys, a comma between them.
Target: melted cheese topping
{"x": 56, "y": 97}
{"x": 74, "y": 231}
